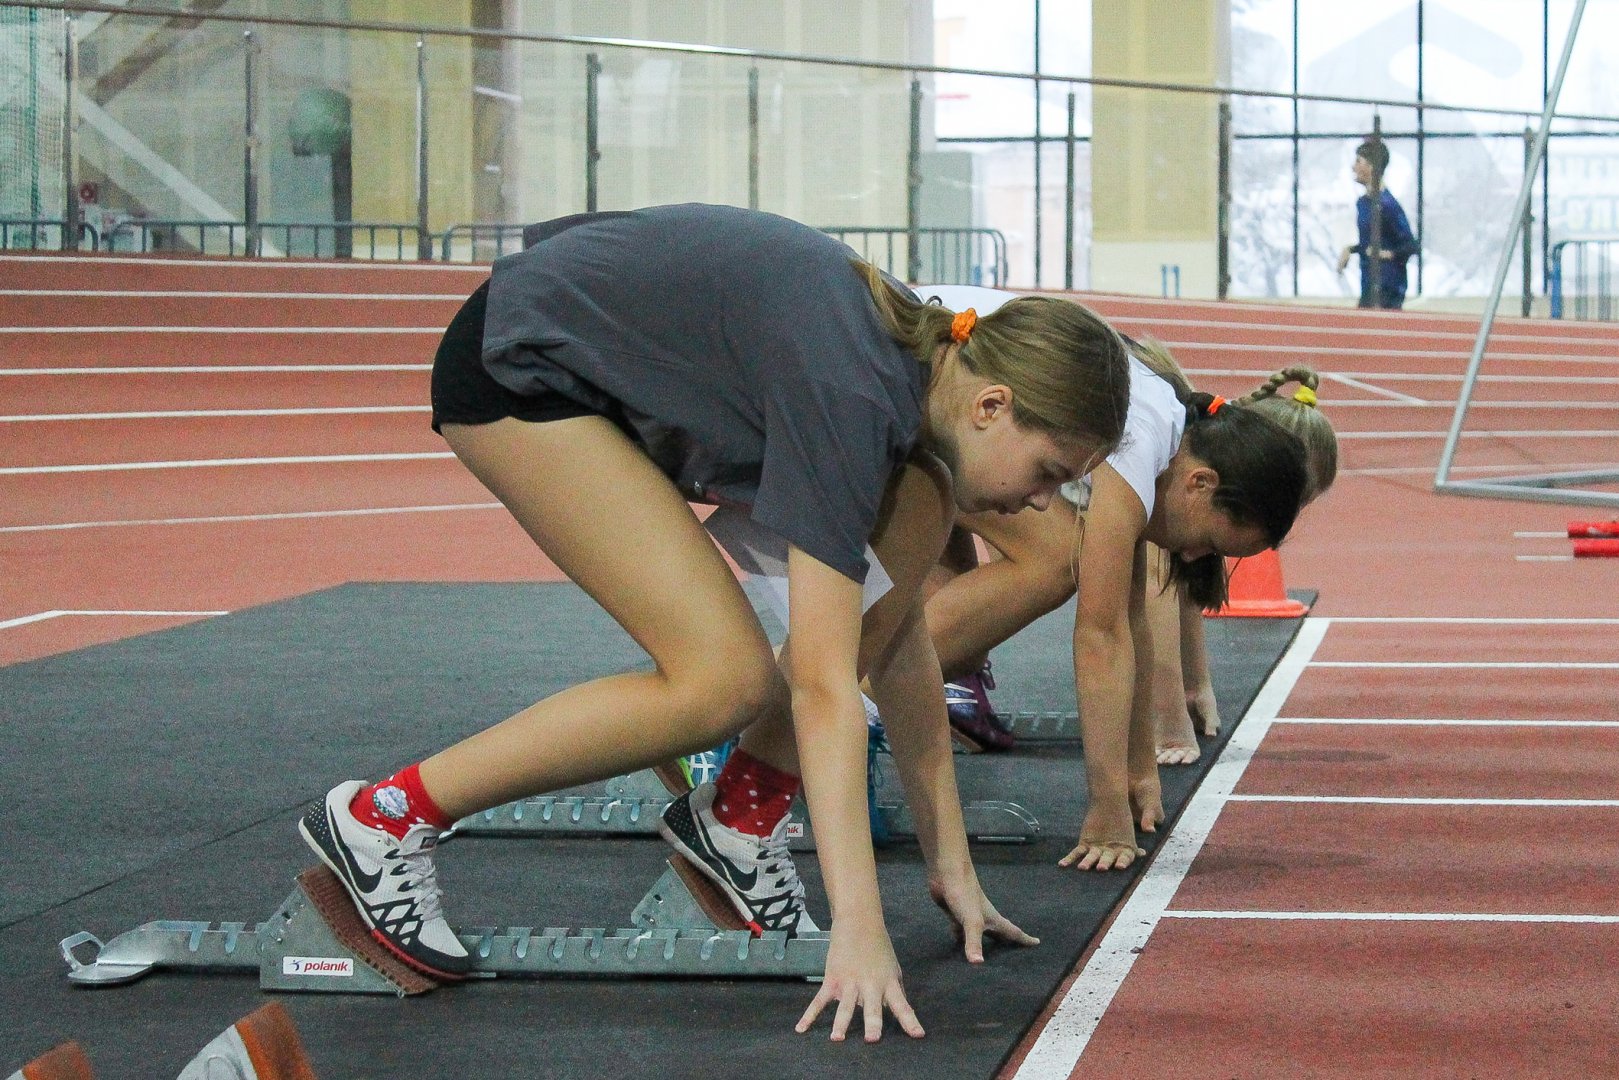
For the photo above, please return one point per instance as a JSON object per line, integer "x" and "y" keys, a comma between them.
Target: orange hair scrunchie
{"x": 961, "y": 327}
{"x": 1214, "y": 406}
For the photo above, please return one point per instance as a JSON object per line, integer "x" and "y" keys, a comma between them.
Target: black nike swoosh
{"x": 365, "y": 882}
{"x": 727, "y": 867}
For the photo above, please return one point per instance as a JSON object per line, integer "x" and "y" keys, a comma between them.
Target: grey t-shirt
{"x": 743, "y": 348}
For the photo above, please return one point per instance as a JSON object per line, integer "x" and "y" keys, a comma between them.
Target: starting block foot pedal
{"x": 684, "y": 899}
{"x": 327, "y": 931}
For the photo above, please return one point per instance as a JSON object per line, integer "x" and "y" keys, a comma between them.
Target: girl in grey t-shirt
{"x": 627, "y": 364}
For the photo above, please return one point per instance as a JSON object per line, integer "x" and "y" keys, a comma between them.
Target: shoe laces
{"x": 420, "y": 876}
{"x": 777, "y": 862}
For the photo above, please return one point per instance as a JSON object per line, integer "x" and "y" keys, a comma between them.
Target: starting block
{"x": 633, "y": 805}
{"x": 315, "y": 941}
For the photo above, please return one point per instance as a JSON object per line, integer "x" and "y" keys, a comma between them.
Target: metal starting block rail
{"x": 634, "y": 805}
{"x": 1043, "y": 726}
{"x": 316, "y": 942}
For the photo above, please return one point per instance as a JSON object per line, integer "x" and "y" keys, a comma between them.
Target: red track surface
{"x": 1218, "y": 996}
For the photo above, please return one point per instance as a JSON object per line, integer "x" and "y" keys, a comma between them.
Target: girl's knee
{"x": 727, "y": 692}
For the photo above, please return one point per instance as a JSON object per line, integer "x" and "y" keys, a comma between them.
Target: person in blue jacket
{"x": 1384, "y": 288}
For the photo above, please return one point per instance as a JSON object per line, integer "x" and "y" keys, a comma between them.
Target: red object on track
{"x": 1596, "y": 529}
{"x": 1597, "y": 549}
{"x": 1256, "y": 591}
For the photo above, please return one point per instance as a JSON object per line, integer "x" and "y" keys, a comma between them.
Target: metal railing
{"x": 42, "y": 233}
{"x": 426, "y": 33}
{"x": 381, "y": 240}
{"x": 1588, "y": 292}
{"x": 480, "y": 242}
{"x": 946, "y": 256}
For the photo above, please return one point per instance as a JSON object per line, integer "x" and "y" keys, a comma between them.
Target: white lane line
{"x": 1471, "y": 665}
{"x": 215, "y": 265}
{"x": 1540, "y": 535}
{"x": 43, "y": 615}
{"x": 219, "y": 463}
{"x": 1370, "y": 388}
{"x": 1057, "y": 1049}
{"x": 1458, "y": 355}
{"x": 1420, "y": 403}
{"x": 1473, "y": 620}
{"x": 1390, "y": 916}
{"x": 1428, "y": 470}
{"x": 205, "y": 414}
{"x": 1402, "y": 376}
{"x": 1336, "y": 331}
{"x": 232, "y": 330}
{"x": 1391, "y": 800}
{"x": 1547, "y": 434}
{"x": 224, "y": 518}
{"x": 1545, "y": 558}
{"x": 203, "y": 295}
{"x": 1369, "y": 722}
{"x": 218, "y": 369}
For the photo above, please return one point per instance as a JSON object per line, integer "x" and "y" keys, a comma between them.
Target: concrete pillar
{"x": 1155, "y": 155}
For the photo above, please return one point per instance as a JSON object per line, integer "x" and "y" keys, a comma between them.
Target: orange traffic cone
{"x": 66, "y": 1062}
{"x": 1255, "y": 589}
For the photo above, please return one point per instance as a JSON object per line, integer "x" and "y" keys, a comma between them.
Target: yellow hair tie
{"x": 961, "y": 327}
{"x": 1305, "y": 396}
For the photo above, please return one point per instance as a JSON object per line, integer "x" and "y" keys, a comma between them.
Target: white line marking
{"x": 1428, "y": 470}
{"x": 1057, "y": 1049}
{"x": 214, "y": 265}
{"x": 222, "y": 518}
{"x": 1472, "y": 620}
{"x": 1549, "y": 434}
{"x": 1420, "y": 403}
{"x": 1537, "y": 535}
{"x": 201, "y": 294}
{"x": 1354, "y": 721}
{"x": 220, "y": 369}
{"x": 1384, "y": 800}
{"x": 1406, "y": 376}
{"x": 1525, "y": 665}
{"x": 1371, "y": 389}
{"x": 231, "y": 330}
{"x": 43, "y": 615}
{"x": 206, "y": 414}
{"x": 1457, "y": 356}
{"x": 1390, "y": 916}
{"x": 217, "y": 463}
{"x": 1545, "y": 558}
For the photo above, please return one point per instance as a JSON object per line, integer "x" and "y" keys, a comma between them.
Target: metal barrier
{"x": 12, "y": 228}
{"x": 946, "y": 256}
{"x": 1590, "y": 288}
{"x": 484, "y": 242}
{"x": 382, "y": 240}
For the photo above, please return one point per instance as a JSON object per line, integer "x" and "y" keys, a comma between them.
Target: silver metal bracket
{"x": 297, "y": 949}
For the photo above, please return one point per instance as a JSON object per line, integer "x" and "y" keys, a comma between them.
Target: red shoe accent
{"x": 414, "y": 964}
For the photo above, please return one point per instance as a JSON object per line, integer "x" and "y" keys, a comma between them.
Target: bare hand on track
{"x": 1107, "y": 841}
{"x": 861, "y": 973}
{"x": 961, "y": 898}
{"x": 1200, "y": 703}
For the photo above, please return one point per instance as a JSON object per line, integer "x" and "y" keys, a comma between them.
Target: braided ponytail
{"x": 1297, "y": 414}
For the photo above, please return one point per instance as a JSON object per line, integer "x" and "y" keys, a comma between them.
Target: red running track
{"x": 1293, "y": 945}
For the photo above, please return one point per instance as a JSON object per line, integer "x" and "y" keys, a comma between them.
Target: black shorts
{"x": 465, "y": 393}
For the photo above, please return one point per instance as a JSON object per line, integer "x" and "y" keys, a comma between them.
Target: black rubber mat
{"x": 161, "y": 777}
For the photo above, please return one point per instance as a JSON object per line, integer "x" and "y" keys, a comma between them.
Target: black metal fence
{"x": 1582, "y": 277}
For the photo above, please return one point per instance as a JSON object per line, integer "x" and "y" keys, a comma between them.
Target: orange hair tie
{"x": 961, "y": 327}
{"x": 1214, "y": 406}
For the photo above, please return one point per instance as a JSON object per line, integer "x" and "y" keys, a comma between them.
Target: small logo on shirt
{"x": 391, "y": 802}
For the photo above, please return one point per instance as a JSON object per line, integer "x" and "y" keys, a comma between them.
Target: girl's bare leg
{"x": 978, "y": 610}
{"x": 596, "y": 505}
{"x": 910, "y": 535}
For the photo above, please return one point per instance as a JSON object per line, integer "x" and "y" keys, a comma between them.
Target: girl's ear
{"x": 1202, "y": 478}
{"x": 990, "y": 401}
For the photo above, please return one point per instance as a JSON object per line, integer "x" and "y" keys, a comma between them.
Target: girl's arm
{"x": 1195, "y": 675}
{"x": 829, "y": 727}
{"x": 908, "y": 690}
{"x": 1112, "y": 586}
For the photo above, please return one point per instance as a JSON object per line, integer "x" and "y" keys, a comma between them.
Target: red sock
{"x": 397, "y": 803}
{"x": 750, "y": 796}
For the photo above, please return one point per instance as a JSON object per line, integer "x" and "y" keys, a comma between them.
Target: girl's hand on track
{"x": 960, "y": 897}
{"x": 1107, "y": 841}
{"x": 1200, "y": 703}
{"x": 861, "y": 973}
